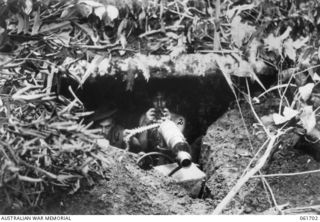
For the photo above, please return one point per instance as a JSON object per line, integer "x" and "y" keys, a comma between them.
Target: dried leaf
{"x": 75, "y": 187}
{"x": 62, "y": 177}
{"x": 308, "y": 118}
{"x": 28, "y": 6}
{"x": 305, "y": 91}
{"x": 37, "y": 23}
{"x": 91, "y": 67}
{"x": 67, "y": 11}
{"x": 63, "y": 37}
{"x": 122, "y": 27}
{"x": 21, "y": 23}
{"x": 142, "y": 17}
{"x": 93, "y": 36}
{"x": 123, "y": 40}
{"x": 53, "y": 26}
{"x": 84, "y": 9}
{"x": 104, "y": 143}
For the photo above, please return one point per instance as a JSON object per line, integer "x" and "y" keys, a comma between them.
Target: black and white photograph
{"x": 159, "y": 107}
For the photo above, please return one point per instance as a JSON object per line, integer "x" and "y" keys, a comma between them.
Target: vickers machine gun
{"x": 177, "y": 153}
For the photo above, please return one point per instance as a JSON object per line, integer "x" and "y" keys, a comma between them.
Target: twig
{"x": 174, "y": 27}
{"x": 302, "y": 209}
{"x": 247, "y": 176}
{"x": 255, "y": 157}
{"x": 218, "y": 51}
{"x": 53, "y": 27}
{"x": 29, "y": 179}
{"x": 254, "y": 112}
{"x": 266, "y": 189}
{"x": 101, "y": 47}
{"x": 276, "y": 87}
{"x": 272, "y": 195}
{"x": 51, "y": 175}
{"x": 216, "y": 42}
{"x": 287, "y": 174}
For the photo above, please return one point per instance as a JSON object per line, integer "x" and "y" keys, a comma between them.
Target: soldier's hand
{"x": 150, "y": 115}
{"x": 166, "y": 114}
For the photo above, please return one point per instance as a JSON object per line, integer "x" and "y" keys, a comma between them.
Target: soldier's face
{"x": 159, "y": 102}
{"x": 106, "y": 126}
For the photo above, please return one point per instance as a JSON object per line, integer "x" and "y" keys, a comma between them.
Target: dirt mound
{"x": 130, "y": 190}
{"x": 226, "y": 152}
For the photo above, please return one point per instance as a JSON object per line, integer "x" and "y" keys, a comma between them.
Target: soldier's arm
{"x": 145, "y": 119}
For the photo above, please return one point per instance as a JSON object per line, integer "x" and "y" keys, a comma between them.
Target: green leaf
{"x": 273, "y": 43}
{"x": 300, "y": 42}
{"x": 112, "y": 12}
{"x": 288, "y": 114}
{"x": 308, "y": 119}
{"x": 100, "y": 11}
{"x": 316, "y": 77}
{"x": 240, "y": 31}
{"x": 104, "y": 66}
{"x": 63, "y": 38}
{"x": 267, "y": 120}
{"x": 289, "y": 49}
{"x": 305, "y": 91}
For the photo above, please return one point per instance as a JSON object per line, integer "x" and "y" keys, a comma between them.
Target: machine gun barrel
{"x": 175, "y": 141}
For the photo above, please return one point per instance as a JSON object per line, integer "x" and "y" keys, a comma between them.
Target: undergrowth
{"x": 44, "y": 142}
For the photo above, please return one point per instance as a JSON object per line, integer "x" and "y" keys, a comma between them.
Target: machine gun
{"x": 180, "y": 167}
